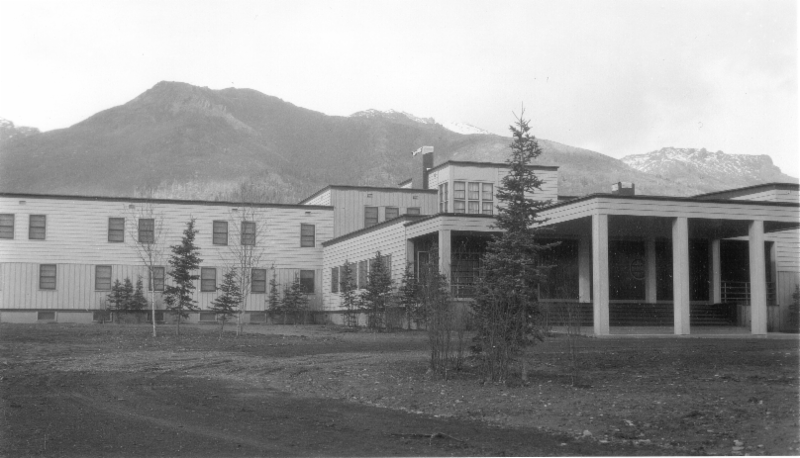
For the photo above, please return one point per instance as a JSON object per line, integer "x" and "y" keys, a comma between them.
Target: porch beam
{"x": 680, "y": 275}
{"x": 445, "y": 242}
{"x": 716, "y": 272}
{"x": 758, "y": 278}
{"x": 600, "y": 274}
{"x": 650, "y": 288}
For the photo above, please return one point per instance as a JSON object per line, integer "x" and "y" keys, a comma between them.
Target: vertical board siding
{"x": 389, "y": 240}
{"x": 350, "y": 203}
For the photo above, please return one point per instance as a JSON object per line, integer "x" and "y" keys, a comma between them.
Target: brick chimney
{"x": 623, "y": 188}
{"x": 421, "y": 161}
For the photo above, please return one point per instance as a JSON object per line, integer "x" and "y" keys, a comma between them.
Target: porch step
{"x": 644, "y": 314}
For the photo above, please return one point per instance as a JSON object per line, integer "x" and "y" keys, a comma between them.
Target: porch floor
{"x": 667, "y": 331}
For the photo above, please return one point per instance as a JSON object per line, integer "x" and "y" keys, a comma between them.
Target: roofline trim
{"x": 774, "y": 185}
{"x": 367, "y": 230}
{"x": 670, "y": 199}
{"x": 368, "y": 188}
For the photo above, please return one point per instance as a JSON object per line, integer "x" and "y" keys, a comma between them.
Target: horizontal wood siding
{"x": 349, "y": 206}
{"x": 438, "y": 177}
{"x": 77, "y": 232}
{"x": 324, "y": 198}
{"x": 787, "y": 250}
{"x": 772, "y": 195}
{"x": 389, "y": 240}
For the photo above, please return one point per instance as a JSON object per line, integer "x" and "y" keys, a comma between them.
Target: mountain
{"x": 9, "y": 131}
{"x": 708, "y": 170}
{"x": 176, "y": 140}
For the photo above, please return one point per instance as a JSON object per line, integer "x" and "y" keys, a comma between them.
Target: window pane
{"x": 208, "y": 279}
{"x": 487, "y": 191}
{"x": 458, "y": 189}
{"x": 38, "y": 227}
{"x": 259, "y": 281}
{"x": 248, "y": 233}
{"x": 307, "y": 235}
{"x": 47, "y": 276}
{"x": 147, "y": 228}
{"x": 487, "y": 208}
{"x": 116, "y": 229}
{"x": 458, "y": 206}
{"x": 334, "y": 279}
{"x": 220, "y": 234}
{"x": 474, "y": 191}
{"x": 474, "y": 207}
{"x": 392, "y": 212}
{"x": 7, "y": 226}
{"x": 370, "y": 216}
{"x": 158, "y": 278}
{"x": 102, "y": 278}
{"x": 412, "y": 211}
{"x": 307, "y": 281}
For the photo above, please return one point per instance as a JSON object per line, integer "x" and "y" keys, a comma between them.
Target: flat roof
{"x": 670, "y": 199}
{"x": 366, "y": 230}
{"x": 737, "y": 192}
{"x": 367, "y": 188}
{"x": 490, "y": 164}
{"x": 162, "y": 201}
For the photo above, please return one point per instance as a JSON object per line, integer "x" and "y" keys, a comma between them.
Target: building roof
{"x": 738, "y": 192}
{"x": 162, "y": 201}
{"x": 367, "y": 188}
{"x": 400, "y": 219}
{"x": 669, "y": 199}
{"x": 490, "y": 164}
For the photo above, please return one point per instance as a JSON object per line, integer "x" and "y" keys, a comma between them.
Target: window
{"x": 363, "y": 268}
{"x": 370, "y": 216}
{"x": 248, "y": 233}
{"x": 47, "y": 276}
{"x": 102, "y": 278}
{"x": 412, "y": 211}
{"x": 147, "y": 230}
{"x": 258, "y": 282}
{"x": 392, "y": 213}
{"x": 487, "y": 195}
{"x": 220, "y": 233}
{"x": 158, "y": 279}
{"x": 307, "y": 235}
{"x": 38, "y": 227}
{"x": 208, "y": 279}
{"x": 45, "y": 316}
{"x": 334, "y": 279}
{"x": 473, "y": 207}
{"x": 116, "y": 229}
{"x": 7, "y": 226}
{"x": 443, "y": 198}
{"x": 459, "y": 194}
{"x": 473, "y": 198}
{"x": 307, "y": 281}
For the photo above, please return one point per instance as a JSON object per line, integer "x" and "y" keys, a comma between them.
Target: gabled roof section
{"x": 162, "y": 201}
{"x": 739, "y": 192}
{"x": 367, "y": 188}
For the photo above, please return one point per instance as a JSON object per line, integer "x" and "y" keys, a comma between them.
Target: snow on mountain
{"x": 464, "y": 128}
{"x": 457, "y": 127}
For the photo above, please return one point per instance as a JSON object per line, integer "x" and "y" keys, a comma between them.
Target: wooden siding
{"x": 349, "y": 206}
{"x": 324, "y": 198}
{"x": 772, "y": 195}
{"x": 77, "y": 232}
{"x": 389, "y": 240}
{"x": 75, "y": 287}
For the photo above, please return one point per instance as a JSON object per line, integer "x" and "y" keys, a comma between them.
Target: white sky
{"x": 618, "y": 77}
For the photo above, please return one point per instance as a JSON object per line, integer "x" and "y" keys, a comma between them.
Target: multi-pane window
{"x": 258, "y": 282}
{"x": 334, "y": 279}
{"x": 47, "y": 276}
{"x": 116, "y": 229}
{"x": 370, "y": 216}
{"x": 7, "y": 226}
{"x": 307, "y": 281}
{"x": 487, "y": 197}
{"x": 459, "y": 194}
{"x": 473, "y": 198}
{"x": 220, "y": 233}
{"x": 363, "y": 269}
{"x": 102, "y": 278}
{"x": 158, "y": 279}
{"x": 248, "y": 233}
{"x": 307, "y": 235}
{"x": 443, "y": 198}
{"x": 208, "y": 279}
{"x": 412, "y": 211}
{"x": 147, "y": 230}
{"x": 392, "y": 212}
{"x": 38, "y": 227}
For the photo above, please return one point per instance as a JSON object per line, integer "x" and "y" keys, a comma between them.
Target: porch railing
{"x": 738, "y": 292}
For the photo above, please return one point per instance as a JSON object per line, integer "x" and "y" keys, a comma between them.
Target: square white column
{"x": 716, "y": 272}
{"x": 445, "y": 242}
{"x": 585, "y": 268}
{"x": 650, "y": 285}
{"x": 680, "y": 275}
{"x": 600, "y": 274}
{"x": 758, "y": 278}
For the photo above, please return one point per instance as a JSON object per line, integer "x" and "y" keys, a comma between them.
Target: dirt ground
{"x": 111, "y": 390}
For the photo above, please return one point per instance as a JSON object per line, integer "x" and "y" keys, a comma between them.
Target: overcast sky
{"x": 617, "y": 77}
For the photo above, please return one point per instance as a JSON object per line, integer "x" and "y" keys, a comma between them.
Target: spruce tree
{"x": 114, "y": 299}
{"x": 139, "y": 301}
{"x": 347, "y": 294}
{"x": 227, "y": 304}
{"x": 294, "y": 299}
{"x": 506, "y": 306}
{"x": 409, "y": 296}
{"x": 184, "y": 262}
{"x": 274, "y": 299}
{"x": 377, "y": 291}
{"x": 126, "y": 295}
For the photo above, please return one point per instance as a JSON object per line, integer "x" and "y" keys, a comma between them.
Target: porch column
{"x": 585, "y": 269}
{"x": 600, "y": 274}
{"x": 680, "y": 274}
{"x": 410, "y": 256}
{"x": 716, "y": 272}
{"x": 444, "y": 253}
{"x": 650, "y": 270}
{"x": 758, "y": 280}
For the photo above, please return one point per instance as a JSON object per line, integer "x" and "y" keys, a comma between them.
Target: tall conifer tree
{"x": 184, "y": 262}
